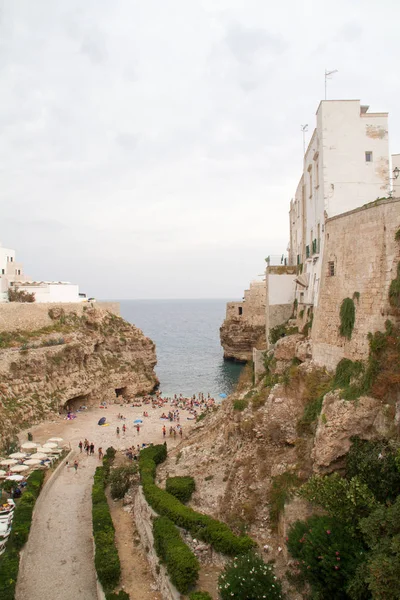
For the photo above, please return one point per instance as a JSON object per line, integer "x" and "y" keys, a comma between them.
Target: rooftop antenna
{"x": 328, "y": 75}
{"x": 304, "y": 128}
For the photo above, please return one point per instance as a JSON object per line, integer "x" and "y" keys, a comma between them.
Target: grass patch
{"x": 240, "y": 404}
{"x": 181, "y": 487}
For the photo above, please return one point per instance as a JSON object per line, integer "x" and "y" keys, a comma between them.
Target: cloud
{"x": 246, "y": 42}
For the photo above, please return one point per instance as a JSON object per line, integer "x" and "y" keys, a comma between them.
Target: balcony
{"x": 315, "y": 246}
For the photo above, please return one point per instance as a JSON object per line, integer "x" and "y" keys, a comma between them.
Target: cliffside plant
{"x": 394, "y": 290}
{"x": 282, "y": 489}
{"x": 397, "y": 235}
{"x": 240, "y": 404}
{"x": 280, "y": 331}
{"x": 317, "y": 383}
{"x": 374, "y": 463}
{"x": 327, "y": 554}
{"x": 347, "y": 318}
{"x": 200, "y": 596}
{"x": 120, "y": 480}
{"x": 249, "y": 578}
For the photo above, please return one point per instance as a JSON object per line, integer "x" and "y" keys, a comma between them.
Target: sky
{"x": 150, "y": 149}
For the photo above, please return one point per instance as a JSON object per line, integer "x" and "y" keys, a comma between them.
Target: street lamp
{"x": 396, "y": 173}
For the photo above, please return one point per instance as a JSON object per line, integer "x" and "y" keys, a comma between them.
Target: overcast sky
{"x": 150, "y": 148}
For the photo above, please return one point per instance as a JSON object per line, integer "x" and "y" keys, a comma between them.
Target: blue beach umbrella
{"x": 223, "y": 396}
{"x": 102, "y": 421}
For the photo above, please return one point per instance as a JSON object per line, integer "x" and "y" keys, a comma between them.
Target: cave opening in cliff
{"x": 74, "y": 403}
{"x": 120, "y": 392}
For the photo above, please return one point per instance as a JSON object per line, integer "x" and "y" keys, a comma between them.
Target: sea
{"x": 189, "y": 353}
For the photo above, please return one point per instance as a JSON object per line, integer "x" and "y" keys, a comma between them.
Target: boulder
{"x": 285, "y": 348}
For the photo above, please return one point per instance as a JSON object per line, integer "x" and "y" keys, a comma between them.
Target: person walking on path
{"x": 80, "y": 446}
{"x": 180, "y": 432}
{"x": 87, "y": 449}
{"x": 92, "y": 448}
{"x": 76, "y": 466}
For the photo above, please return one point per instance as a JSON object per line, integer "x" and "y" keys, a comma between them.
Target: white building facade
{"x": 346, "y": 165}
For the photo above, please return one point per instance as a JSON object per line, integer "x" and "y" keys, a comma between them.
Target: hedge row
{"x": 181, "y": 487}
{"x": 200, "y": 526}
{"x": 9, "y": 561}
{"x": 200, "y": 596}
{"x": 182, "y": 565}
{"x": 106, "y": 554}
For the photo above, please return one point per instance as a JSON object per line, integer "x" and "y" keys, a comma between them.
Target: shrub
{"x": 347, "y": 318}
{"x": 374, "y": 463}
{"x": 200, "y": 596}
{"x": 347, "y": 370}
{"x": 280, "y": 331}
{"x": 9, "y": 565}
{"x": 181, "y": 487}
{"x": 240, "y": 404}
{"x": 182, "y": 565}
{"x": 106, "y": 554}
{"x": 16, "y": 295}
{"x": 120, "y": 480}
{"x": 282, "y": 486}
{"x": 348, "y": 501}
{"x": 249, "y": 578}
{"x": 394, "y": 290}
{"x": 327, "y": 555}
{"x": 201, "y": 526}
{"x": 120, "y": 596}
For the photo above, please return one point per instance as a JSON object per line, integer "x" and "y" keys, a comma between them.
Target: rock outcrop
{"x": 238, "y": 338}
{"x": 78, "y": 360}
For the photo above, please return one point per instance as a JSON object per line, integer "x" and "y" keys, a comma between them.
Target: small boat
{"x": 5, "y": 530}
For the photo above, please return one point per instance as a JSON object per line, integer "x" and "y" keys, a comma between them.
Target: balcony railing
{"x": 274, "y": 260}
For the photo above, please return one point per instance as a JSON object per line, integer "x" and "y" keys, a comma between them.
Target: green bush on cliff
{"x": 182, "y": 565}
{"x": 181, "y": 487}
{"x": 248, "y": 577}
{"x": 201, "y": 526}
{"x": 200, "y": 596}
{"x": 106, "y": 559}
{"x": 347, "y": 318}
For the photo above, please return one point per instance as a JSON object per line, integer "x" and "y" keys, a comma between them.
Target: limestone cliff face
{"x": 78, "y": 360}
{"x": 238, "y": 338}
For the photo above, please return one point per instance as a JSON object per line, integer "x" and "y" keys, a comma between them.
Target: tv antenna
{"x": 328, "y": 75}
{"x": 304, "y": 128}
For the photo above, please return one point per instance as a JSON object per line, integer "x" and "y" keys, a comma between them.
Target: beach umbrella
{"x": 223, "y": 396}
{"x": 8, "y": 461}
{"x": 32, "y": 461}
{"x": 101, "y": 421}
{"x": 41, "y": 449}
{"x": 138, "y": 421}
{"x": 55, "y": 439}
{"x": 19, "y": 468}
{"x": 18, "y": 455}
{"x": 38, "y": 456}
{"x": 29, "y": 446}
{"x": 50, "y": 445}
{"x": 15, "y": 478}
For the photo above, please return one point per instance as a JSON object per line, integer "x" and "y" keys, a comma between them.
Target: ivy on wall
{"x": 347, "y": 318}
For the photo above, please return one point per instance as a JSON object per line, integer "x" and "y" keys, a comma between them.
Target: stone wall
{"x": 361, "y": 248}
{"x": 31, "y": 317}
{"x": 280, "y": 295}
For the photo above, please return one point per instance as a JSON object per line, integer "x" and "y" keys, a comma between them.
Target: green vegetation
{"x": 280, "y": 331}
{"x": 16, "y": 295}
{"x": 106, "y": 554}
{"x": 394, "y": 290}
{"x": 200, "y": 526}
{"x": 347, "y": 318}
{"x": 356, "y": 296}
{"x": 317, "y": 383}
{"x": 249, "y": 578}
{"x": 308, "y": 325}
{"x": 281, "y": 490}
{"x": 121, "y": 595}
{"x": 9, "y": 339}
{"x": 397, "y": 235}
{"x": 240, "y": 404}
{"x": 181, "y": 487}
{"x": 182, "y": 565}
{"x": 200, "y": 596}
{"x": 9, "y": 561}
{"x": 120, "y": 480}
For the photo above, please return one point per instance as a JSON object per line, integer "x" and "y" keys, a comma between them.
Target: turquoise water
{"x": 186, "y": 333}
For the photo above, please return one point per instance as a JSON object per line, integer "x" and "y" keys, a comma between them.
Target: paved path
{"x": 58, "y": 559}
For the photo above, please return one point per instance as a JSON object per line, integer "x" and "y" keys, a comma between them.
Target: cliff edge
{"x": 83, "y": 357}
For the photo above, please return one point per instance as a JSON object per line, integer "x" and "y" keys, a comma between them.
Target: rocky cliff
{"x": 80, "y": 359}
{"x": 239, "y": 337}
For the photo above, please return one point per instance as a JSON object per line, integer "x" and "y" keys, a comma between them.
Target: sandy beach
{"x": 58, "y": 558}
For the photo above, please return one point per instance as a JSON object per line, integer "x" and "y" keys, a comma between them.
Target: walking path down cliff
{"x": 58, "y": 561}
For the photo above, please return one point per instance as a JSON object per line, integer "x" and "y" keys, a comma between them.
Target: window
{"x": 240, "y": 310}
{"x": 331, "y": 268}
{"x": 310, "y": 183}
{"x": 11, "y": 259}
{"x": 3, "y": 272}
{"x": 368, "y": 157}
{"x": 317, "y": 174}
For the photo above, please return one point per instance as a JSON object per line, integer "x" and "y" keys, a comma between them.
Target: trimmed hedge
{"x": 120, "y": 596}
{"x": 21, "y": 525}
{"x": 106, "y": 558}
{"x": 200, "y": 596}
{"x": 181, "y": 487}
{"x": 182, "y": 565}
{"x": 200, "y": 526}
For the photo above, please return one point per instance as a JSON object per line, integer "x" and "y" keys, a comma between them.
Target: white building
{"x": 12, "y": 277}
{"x": 346, "y": 165}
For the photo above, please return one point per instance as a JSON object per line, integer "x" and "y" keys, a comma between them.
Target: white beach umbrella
{"x": 19, "y": 468}
{"x": 29, "y": 446}
{"x": 50, "y": 445}
{"x": 8, "y": 461}
{"x": 15, "y": 478}
{"x": 18, "y": 455}
{"x": 42, "y": 450}
{"x": 38, "y": 456}
{"x": 55, "y": 439}
{"x": 32, "y": 461}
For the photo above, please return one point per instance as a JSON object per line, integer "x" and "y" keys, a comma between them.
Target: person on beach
{"x": 100, "y": 453}
{"x": 87, "y": 449}
{"x": 76, "y": 466}
{"x": 92, "y": 448}
{"x": 123, "y": 428}
{"x": 117, "y": 431}
{"x": 80, "y": 446}
{"x": 163, "y": 431}
{"x": 180, "y": 431}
